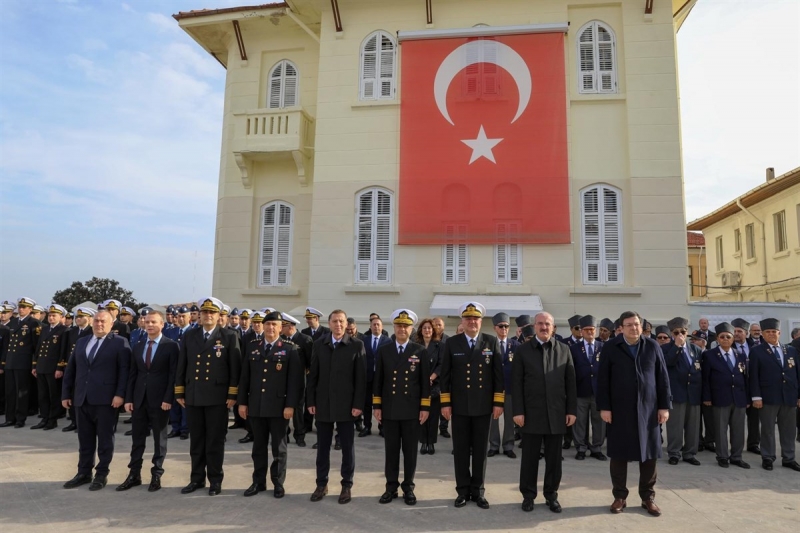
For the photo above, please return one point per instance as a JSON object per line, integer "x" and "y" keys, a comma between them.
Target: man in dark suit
{"x": 742, "y": 344}
{"x": 336, "y": 387}
{"x": 684, "y": 366}
{"x": 149, "y": 397}
{"x": 48, "y": 368}
{"x": 270, "y": 389}
{"x": 206, "y": 384}
{"x": 304, "y": 345}
{"x": 314, "y": 330}
{"x": 633, "y": 396}
{"x": 725, "y": 390}
{"x": 709, "y": 335}
{"x": 586, "y": 358}
{"x": 472, "y": 394}
{"x": 508, "y": 347}
{"x": 372, "y": 344}
{"x": 545, "y": 403}
{"x": 17, "y": 363}
{"x": 95, "y": 381}
{"x": 775, "y": 389}
{"x": 82, "y": 328}
{"x": 402, "y": 396}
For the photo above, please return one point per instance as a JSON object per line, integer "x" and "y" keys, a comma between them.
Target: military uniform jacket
{"x": 586, "y": 371}
{"x": 70, "y": 339}
{"x": 49, "y": 355}
{"x": 320, "y": 332}
{"x": 5, "y": 333}
{"x": 337, "y": 383}
{"x": 472, "y": 380}
{"x": 121, "y": 328}
{"x": 208, "y": 370}
{"x": 774, "y": 383}
{"x": 270, "y": 381}
{"x": 685, "y": 379}
{"x": 304, "y": 345}
{"x": 22, "y": 344}
{"x": 401, "y": 387}
{"x": 721, "y": 385}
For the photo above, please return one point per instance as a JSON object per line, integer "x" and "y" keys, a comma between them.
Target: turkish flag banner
{"x": 483, "y": 141}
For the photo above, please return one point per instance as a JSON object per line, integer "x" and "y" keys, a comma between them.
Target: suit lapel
{"x": 211, "y": 338}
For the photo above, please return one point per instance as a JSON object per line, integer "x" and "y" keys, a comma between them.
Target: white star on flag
{"x": 481, "y": 146}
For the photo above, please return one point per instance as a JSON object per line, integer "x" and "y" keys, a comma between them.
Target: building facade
{"x": 697, "y": 265}
{"x": 308, "y": 192}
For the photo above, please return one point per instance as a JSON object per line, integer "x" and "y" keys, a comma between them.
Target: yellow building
{"x": 753, "y": 243}
{"x": 308, "y": 205}
{"x": 697, "y": 265}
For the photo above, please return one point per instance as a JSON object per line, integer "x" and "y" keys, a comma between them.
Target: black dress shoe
{"x": 19, "y": 425}
{"x": 279, "y": 492}
{"x": 236, "y": 425}
{"x": 71, "y": 427}
{"x": 129, "y": 433}
{"x": 580, "y": 456}
{"x": 128, "y": 421}
{"x": 78, "y": 480}
{"x": 184, "y": 436}
{"x": 173, "y": 434}
{"x": 214, "y": 489}
{"x": 711, "y": 448}
{"x": 254, "y": 489}
{"x": 7, "y": 424}
{"x": 754, "y": 449}
{"x": 600, "y": 456}
{"x": 319, "y": 493}
{"x": 247, "y": 438}
{"x": 444, "y": 433}
{"x": 510, "y": 454}
{"x": 793, "y": 465}
{"x": 431, "y": 449}
{"x": 741, "y": 464}
{"x": 301, "y": 443}
{"x": 527, "y": 505}
{"x": 40, "y": 425}
{"x": 359, "y": 426}
{"x": 673, "y": 460}
{"x": 423, "y": 450}
{"x": 344, "y": 496}
{"x": 387, "y": 497}
{"x": 131, "y": 481}
{"x": 50, "y": 425}
{"x": 554, "y": 505}
{"x": 364, "y": 432}
{"x": 481, "y": 502}
{"x": 315, "y": 446}
{"x": 692, "y": 461}
{"x": 723, "y": 463}
{"x": 191, "y": 487}
{"x": 155, "y": 484}
{"x": 98, "y": 483}
{"x": 410, "y": 498}
{"x": 461, "y": 501}
{"x": 491, "y": 453}
{"x": 566, "y": 445}
{"x": 337, "y": 445}
{"x": 766, "y": 464}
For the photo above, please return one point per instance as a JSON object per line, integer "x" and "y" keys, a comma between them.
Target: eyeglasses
{"x": 502, "y": 326}
{"x": 662, "y": 337}
{"x": 724, "y": 336}
{"x": 679, "y": 332}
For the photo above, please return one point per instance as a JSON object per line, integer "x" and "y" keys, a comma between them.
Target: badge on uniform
{"x": 741, "y": 368}
{"x": 55, "y": 340}
{"x": 278, "y": 366}
{"x": 697, "y": 365}
{"x": 218, "y": 348}
{"x": 597, "y": 358}
{"x": 790, "y": 362}
{"x": 510, "y": 356}
{"x": 488, "y": 353}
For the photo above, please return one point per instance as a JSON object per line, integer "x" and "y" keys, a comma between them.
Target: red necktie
{"x": 148, "y": 357}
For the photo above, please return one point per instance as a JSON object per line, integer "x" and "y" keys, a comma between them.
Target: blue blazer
{"x": 371, "y": 356}
{"x": 137, "y": 335}
{"x": 685, "y": 379}
{"x": 107, "y": 376}
{"x": 171, "y": 333}
{"x": 773, "y": 383}
{"x": 721, "y": 386}
{"x": 585, "y": 372}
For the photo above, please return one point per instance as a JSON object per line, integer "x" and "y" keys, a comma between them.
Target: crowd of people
{"x": 616, "y": 384}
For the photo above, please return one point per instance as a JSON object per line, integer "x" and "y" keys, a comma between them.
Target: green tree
{"x": 95, "y": 290}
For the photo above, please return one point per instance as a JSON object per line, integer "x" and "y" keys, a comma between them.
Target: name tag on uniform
{"x": 458, "y": 354}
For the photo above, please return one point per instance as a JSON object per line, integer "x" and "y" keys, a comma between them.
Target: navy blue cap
{"x": 183, "y": 309}
{"x": 194, "y": 308}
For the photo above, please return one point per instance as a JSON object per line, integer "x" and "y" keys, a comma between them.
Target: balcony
{"x": 263, "y": 134}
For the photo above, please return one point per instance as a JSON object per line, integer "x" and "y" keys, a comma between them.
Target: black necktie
{"x": 589, "y": 352}
{"x": 93, "y": 351}
{"x": 400, "y": 350}
{"x": 206, "y": 336}
{"x": 729, "y": 360}
{"x": 267, "y": 348}
{"x": 472, "y": 344}
{"x": 148, "y": 358}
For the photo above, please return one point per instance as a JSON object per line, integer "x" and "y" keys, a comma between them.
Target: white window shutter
{"x": 378, "y": 54}
{"x": 611, "y": 236}
{"x": 373, "y": 237}
{"x": 602, "y": 236}
{"x": 455, "y": 262}
{"x": 597, "y": 71}
{"x": 283, "y": 85}
{"x": 276, "y": 245}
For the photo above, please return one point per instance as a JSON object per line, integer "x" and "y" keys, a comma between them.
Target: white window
{"x": 373, "y": 237}
{"x": 276, "y": 244}
{"x": 720, "y": 254}
{"x": 779, "y": 223}
{"x": 455, "y": 259}
{"x": 378, "y": 54}
{"x": 507, "y": 258}
{"x": 283, "y": 85}
{"x": 601, "y": 221}
{"x": 597, "y": 70}
{"x": 750, "y": 241}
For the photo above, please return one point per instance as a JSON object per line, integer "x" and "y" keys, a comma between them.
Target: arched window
{"x": 601, "y": 243}
{"x": 283, "y": 85}
{"x": 373, "y": 262}
{"x": 275, "y": 264}
{"x": 597, "y": 61}
{"x": 378, "y": 54}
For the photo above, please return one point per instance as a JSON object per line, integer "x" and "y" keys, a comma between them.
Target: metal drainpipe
{"x": 763, "y": 242}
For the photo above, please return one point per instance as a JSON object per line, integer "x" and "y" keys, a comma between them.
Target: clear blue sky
{"x": 110, "y": 125}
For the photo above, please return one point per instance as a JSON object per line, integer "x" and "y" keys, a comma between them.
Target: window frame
{"x": 283, "y": 77}
{"x": 374, "y": 264}
{"x": 720, "y": 253}
{"x": 276, "y": 239}
{"x": 503, "y": 274}
{"x": 779, "y": 230}
{"x": 603, "y": 262}
{"x": 596, "y": 73}
{"x": 750, "y": 241}
{"x": 377, "y": 93}
{"x": 457, "y": 233}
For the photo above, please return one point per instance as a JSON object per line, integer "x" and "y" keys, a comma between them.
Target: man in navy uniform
{"x": 270, "y": 389}
{"x": 206, "y": 384}
{"x": 149, "y": 396}
{"x": 508, "y": 346}
{"x": 606, "y": 330}
{"x": 472, "y": 394}
{"x": 775, "y": 389}
{"x": 586, "y": 358}
{"x": 314, "y": 329}
{"x": 304, "y": 346}
{"x": 177, "y": 414}
{"x": 119, "y": 327}
{"x": 742, "y": 344}
{"x": 575, "y": 330}
{"x": 17, "y": 362}
{"x": 95, "y": 382}
{"x": 48, "y": 368}
{"x": 82, "y": 328}
{"x": 402, "y": 398}
{"x": 372, "y": 344}
{"x": 684, "y": 365}
{"x": 725, "y": 390}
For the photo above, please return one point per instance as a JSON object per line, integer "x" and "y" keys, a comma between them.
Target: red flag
{"x": 483, "y": 141}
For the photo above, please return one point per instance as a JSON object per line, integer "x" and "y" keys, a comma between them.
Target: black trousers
{"x": 143, "y": 418}
{"x": 707, "y": 434}
{"x": 443, "y": 423}
{"x": 470, "y": 442}
{"x": 207, "y": 429}
{"x": 346, "y": 431}
{"x": 647, "y": 479}
{"x": 429, "y": 432}
{"x": 529, "y": 469}
{"x": 17, "y": 386}
{"x": 308, "y": 420}
{"x": 264, "y": 430}
{"x": 95, "y": 434}
{"x": 49, "y": 397}
{"x": 367, "y": 414}
{"x": 298, "y": 422}
{"x": 397, "y": 435}
{"x": 753, "y": 427}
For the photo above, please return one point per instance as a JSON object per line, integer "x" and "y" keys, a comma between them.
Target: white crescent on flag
{"x": 475, "y": 52}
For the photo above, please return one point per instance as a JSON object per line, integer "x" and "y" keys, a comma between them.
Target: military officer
{"x": 223, "y": 315}
{"x": 177, "y": 414}
{"x": 314, "y": 329}
{"x": 17, "y": 363}
{"x": 244, "y": 322}
{"x": 82, "y": 328}
{"x": 206, "y": 384}
{"x": 114, "y": 307}
{"x": 472, "y": 394}
{"x": 742, "y": 344}
{"x": 48, "y": 368}
{"x": 402, "y": 401}
{"x": 304, "y": 346}
{"x": 606, "y": 329}
{"x": 575, "y": 330}
{"x": 69, "y": 319}
{"x": 508, "y": 346}
{"x": 195, "y": 312}
{"x": 255, "y": 333}
{"x": 139, "y": 333}
{"x": 233, "y": 319}
{"x": 586, "y": 358}
{"x": 37, "y": 311}
{"x": 270, "y": 388}
{"x": 127, "y": 316}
